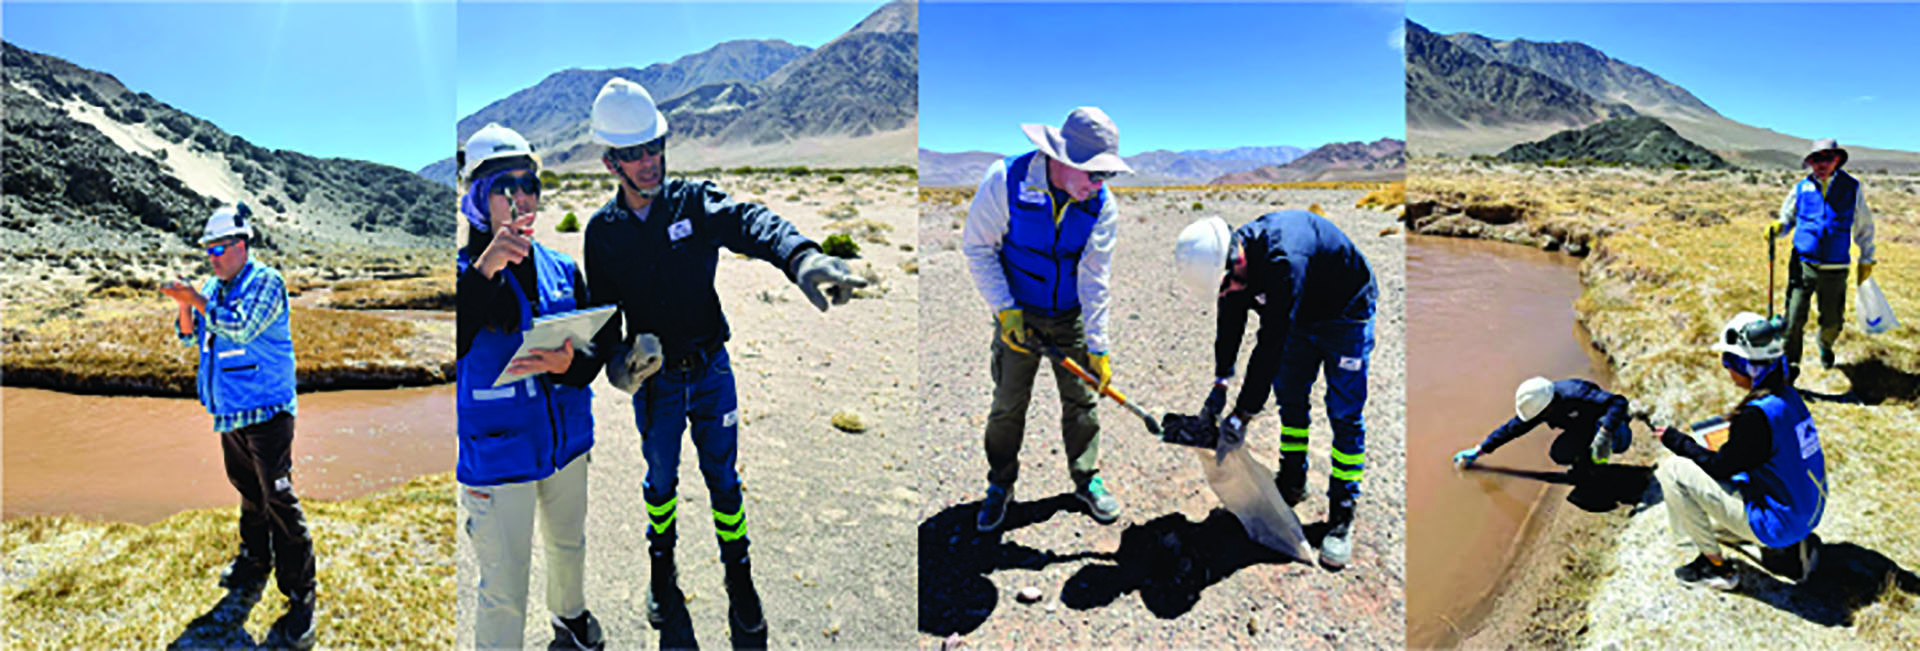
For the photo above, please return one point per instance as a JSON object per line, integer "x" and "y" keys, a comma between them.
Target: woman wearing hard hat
{"x": 1766, "y": 484}
{"x": 523, "y": 446}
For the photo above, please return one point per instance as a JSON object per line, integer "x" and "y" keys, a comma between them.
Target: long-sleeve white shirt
{"x": 986, "y": 227}
{"x": 1862, "y": 218}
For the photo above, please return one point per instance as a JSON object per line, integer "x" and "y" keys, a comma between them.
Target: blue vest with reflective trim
{"x": 1042, "y": 258}
{"x": 1823, "y": 225}
{"x": 528, "y": 429}
{"x": 1786, "y": 496}
{"x": 238, "y": 377}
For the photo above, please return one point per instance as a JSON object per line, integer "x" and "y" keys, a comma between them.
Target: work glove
{"x": 1102, "y": 370}
{"x": 1216, "y": 401}
{"x": 1602, "y": 446}
{"x": 1861, "y": 272}
{"x": 815, "y": 269}
{"x": 634, "y": 362}
{"x": 1233, "y": 434}
{"x": 1013, "y": 329}
{"x": 1773, "y": 229}
{"x": 1465, "y": 458}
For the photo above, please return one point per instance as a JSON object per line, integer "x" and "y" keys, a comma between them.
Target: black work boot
{"x": 580, "y": 632}
{"x": 743, "y": 602}
{"x": 663, "y": 591}
{"x": 1292, "y": 483}
{"x": 294, "y": 629}
{"x": 247, "y": 572}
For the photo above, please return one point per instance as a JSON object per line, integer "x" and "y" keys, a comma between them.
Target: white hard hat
{"x": 1751, "y": 337}
{"x": 1532, "y": 397}
{"x": 228, "y": 221}
{"x": 1201, "y": 254}
{"x": 624, "y": 115}
{"x": 491, "y": 142}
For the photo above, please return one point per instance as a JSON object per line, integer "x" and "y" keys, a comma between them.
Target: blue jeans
{"x": 1342, "y": 349}
{"x": 700, "y": 392}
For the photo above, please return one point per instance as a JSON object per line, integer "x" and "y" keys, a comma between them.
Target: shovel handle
{"x": 1074, "y": 368}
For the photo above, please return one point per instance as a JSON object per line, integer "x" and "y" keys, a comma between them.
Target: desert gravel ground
{"x": 1174, "y": 570}
{"x": 830, "y": 513}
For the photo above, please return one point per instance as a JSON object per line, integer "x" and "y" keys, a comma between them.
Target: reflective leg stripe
{"x": 662, "y": 516}
{"x": 730, "y": 526}
{"x": 1355, "y": 460}
{"x": 1293, "y": 439}
{"x": 1346, "y": 475}
{"x": 1348, "y": 467}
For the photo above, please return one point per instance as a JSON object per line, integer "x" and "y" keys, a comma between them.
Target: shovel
{"x": 1244, "y": 486}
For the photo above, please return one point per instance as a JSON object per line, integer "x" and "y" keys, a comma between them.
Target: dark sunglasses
{"x": 218, "y": 250}
{"x": 636, "y": 152}
{"x": 1823, "y": 157}
{"x": 526, "y": 184}
{"x": 1101, "y": 177}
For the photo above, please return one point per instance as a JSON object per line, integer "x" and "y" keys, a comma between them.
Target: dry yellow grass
{"x": 385, "y": 567}
{"x": 434, "y": 292}
{"x": 1390, "y": 197}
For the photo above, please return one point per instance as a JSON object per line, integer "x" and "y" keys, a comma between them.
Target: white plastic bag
{"x": 1876, "y": 316}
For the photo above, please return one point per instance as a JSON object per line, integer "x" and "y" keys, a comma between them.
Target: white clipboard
{"x": 553, "y": 330}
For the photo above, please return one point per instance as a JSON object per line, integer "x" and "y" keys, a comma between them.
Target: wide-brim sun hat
{"x": 1825, "y": 144}
{"x": 1088, "y": 141}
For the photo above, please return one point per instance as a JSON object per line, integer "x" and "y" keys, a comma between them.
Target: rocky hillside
{"x": 1383, "y": 159}
{"x": 1157, "y": 167}
{"x": 1589, "y": 70}
{"x": 737, "y": 94}
{"x": 1450, "y": 87}
{"x": 1642, "y": 141}
{"x": 92, "y": 164}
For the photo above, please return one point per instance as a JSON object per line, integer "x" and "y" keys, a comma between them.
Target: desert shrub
{"x": 568, "y": 223}
{"x": 840, "y": 245}
{"x": 836, "y": 178}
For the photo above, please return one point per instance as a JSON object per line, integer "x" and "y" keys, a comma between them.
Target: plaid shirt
{"x": 262, "y": 297}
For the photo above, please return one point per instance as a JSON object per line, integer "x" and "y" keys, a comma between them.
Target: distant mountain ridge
{"x": 736, "y": 94}
{"x": 94, "y": 164}
{"x": 1451, "y": 87}
{"x": 1381, "y": 160}
{"x": 1157, "y": 167}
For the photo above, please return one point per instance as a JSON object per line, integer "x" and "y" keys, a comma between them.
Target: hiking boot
{"x": 580, "y": 632}
{"x": 1105, "y": 507}
{"x": 1704, "y": 572}
{"x": 993, "y": 509}
{"x": 663, "y": 591}
{"x": 743, "y": 602}
{"x": 294, "y": 628}
{"x": 246, "y": 572}
{"x": 1794, "y": 562}
{"x": 1826, "y": 356}
{"x": 1336, "y": 548}
{"x": 1292, "y": 485}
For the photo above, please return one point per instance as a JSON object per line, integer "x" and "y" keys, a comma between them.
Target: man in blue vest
{"x": 1822, "y": 211}
{"x": 1039, "y": 239}
{"x": 653, "y": 250}
{"x": 1315, "y": 296}
{"x": 238, "y": 319}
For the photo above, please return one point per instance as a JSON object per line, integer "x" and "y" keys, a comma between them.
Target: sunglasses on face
{"x": 1101, "y": 177}
{"x": 526, "y": 184}
{"x": 636, "y": 152}
{"x": 1823, "y": 157}
{"x": 220, "y": 249}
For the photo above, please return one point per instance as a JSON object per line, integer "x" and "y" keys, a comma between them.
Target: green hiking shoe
{"x": 1105, "y": 507}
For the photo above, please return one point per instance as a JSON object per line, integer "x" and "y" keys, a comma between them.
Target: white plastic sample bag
{"x": 1246, "y": 488}
{"x": 1876, "y": 316}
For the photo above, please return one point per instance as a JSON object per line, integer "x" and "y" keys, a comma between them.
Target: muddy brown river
{"x": 140, "y": 460}
{"x": 1489, "y": 315}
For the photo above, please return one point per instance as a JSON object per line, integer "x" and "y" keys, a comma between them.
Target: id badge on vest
{"x": 679, "y": 230}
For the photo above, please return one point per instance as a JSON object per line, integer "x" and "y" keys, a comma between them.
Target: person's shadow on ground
{"x": 1168, "y": 560}
{"x": 677, "y": 631}
{"x": 224, "y": 626}
{"x": 1846, "y": 578}
{"x": 1598, "y": 490}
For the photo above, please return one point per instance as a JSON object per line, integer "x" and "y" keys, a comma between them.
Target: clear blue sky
{"x": 1827, "y": 70}
{"x": 1172, "y": 76}
{"x": 366, "y": 81}
{"x": 507, "y": 47}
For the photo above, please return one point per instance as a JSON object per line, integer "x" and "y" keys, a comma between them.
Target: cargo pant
{"x": 1013, "y": 373}
{"x": 696, "y": 390}
{"x": 1702, "y": 511}
{"x": 500, "y": 523}
{"x": 1806, "y": 285}
{"x": 259, "y": 460}
{"x": 1342, "y": 349}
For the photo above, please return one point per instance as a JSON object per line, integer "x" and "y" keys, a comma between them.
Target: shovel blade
{"x": 1246, "y": 489}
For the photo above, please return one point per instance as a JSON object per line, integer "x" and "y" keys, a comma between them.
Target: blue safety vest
{"x": 528, "y": 429}
{"x": 236, "y": 377}
{"x": 1823, "y": 224}
{"x": 1786, "y": 496}
{"x": 1041, "y": 256}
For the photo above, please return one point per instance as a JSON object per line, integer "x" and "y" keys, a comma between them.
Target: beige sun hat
{"x": 1088, "y": 141}
{"x": 1825, "y": 144}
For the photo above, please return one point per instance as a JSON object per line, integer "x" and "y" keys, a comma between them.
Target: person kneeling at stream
{"x": 1766, "y": 484}
{"x": 1591, "y": 420}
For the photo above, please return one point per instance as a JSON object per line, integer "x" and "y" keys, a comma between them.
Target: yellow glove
{"x": 1103, "y": 369}
{"x": 1861, "y": 272}
{"x": 1013, "y": 329}
{"x": 1773, "y": 229}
